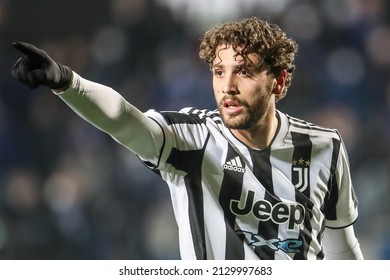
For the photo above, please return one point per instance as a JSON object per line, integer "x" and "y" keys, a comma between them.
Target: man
{"x": 246, "y": 180}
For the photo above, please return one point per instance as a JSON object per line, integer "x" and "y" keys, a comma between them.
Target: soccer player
{"x": 247, "y": 181}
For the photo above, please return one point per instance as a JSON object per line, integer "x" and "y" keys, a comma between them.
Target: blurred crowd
{"x": 68, "y": 191}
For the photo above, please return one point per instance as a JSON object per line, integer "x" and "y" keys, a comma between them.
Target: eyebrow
{"x": 249, "y": 66}
{"x": 241, "y": 63}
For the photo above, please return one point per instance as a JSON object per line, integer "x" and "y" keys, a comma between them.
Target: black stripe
{"x": 320, "y": 254}
{"x": 333, "y": 193}
{"x": 191, "y": 163}
{"x": 301, "y": 160}
{"x": 217, "y": 121}
{"x": 180, "y": 118}
{"x": 268, "y": 230}
{"x": 331, "y": 196}
{"x": 231, "y": 188}
{"x": 192, "y": 110}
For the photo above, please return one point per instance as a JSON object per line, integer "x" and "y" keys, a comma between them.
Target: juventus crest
{"x": 300, "y": 173}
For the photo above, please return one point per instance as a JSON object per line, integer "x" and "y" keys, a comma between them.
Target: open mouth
{"x": 232, "y": 106}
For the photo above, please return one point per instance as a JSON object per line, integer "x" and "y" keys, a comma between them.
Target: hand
{"x": 36, "y": 68}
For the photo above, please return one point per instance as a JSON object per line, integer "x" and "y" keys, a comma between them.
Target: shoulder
{"x": 188, "y": 115}
{"x": 298, "y": 125}
{"x": 203, "y": 114}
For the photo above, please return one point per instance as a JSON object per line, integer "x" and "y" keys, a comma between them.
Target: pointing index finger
{"x": 29, "y": 50}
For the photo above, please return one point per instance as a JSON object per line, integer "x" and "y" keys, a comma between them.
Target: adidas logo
{"x": 234, "y": 165}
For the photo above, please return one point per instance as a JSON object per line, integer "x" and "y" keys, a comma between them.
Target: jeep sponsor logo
{"x": 263, "y": 210}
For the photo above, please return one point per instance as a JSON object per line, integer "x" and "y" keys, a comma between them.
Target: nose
{"x": 229, "y": 85}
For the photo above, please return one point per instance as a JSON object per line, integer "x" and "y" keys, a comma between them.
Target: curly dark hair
{"x": 253, "y": 36}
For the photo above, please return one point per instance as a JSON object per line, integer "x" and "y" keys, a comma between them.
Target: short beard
{"x": 251, "y": 115}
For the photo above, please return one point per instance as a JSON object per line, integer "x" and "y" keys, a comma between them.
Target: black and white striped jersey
{"x": 234, "y": 202}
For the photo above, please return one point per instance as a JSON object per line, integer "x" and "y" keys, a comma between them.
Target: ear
{"x": 279, "y": 82}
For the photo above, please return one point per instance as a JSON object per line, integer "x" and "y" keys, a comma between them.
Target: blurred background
{"x": 67, "y": 191}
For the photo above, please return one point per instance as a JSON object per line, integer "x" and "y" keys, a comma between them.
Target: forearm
{"x": 341, "y": 244}
{"x": 110, "y": 112}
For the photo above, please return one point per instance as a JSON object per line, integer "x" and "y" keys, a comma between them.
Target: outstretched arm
{"x": 110, "y": 112}
{"x": 96, "y": 103}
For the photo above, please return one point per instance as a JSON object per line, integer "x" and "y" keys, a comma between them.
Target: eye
{"x": 218, "y": 72}
{"x": 245, "y": 72}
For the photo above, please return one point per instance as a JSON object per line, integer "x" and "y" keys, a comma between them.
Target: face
{"x": 243, "y": 92}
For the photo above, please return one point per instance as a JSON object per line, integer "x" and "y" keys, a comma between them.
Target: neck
{"x": 261, "y": 135}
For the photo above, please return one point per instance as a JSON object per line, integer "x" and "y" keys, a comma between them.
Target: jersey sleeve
{"x": 107, "y": 110}
{"x": 341, "y": 244}
{"x": 182, "y": 131}
{"x": 342, "y": 206}
{"x": 166, "y": 146}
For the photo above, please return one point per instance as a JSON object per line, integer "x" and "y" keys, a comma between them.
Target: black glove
{"x": 36, "y": 68}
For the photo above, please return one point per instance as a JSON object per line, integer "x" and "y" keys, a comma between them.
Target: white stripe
{"x": 238, "y": 161}
{"x": 315, "y": 132}
{"x": 285, "y": 190}
{"x": 179, "y": 198}
{"x": 212, "y": 175}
